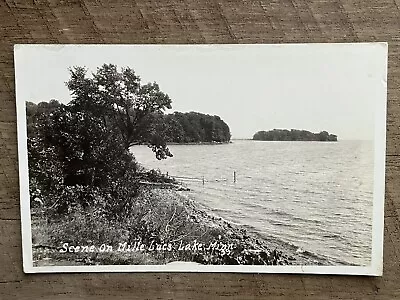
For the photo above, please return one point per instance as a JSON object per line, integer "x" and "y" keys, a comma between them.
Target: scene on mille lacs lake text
{"x": 202, "y": 158}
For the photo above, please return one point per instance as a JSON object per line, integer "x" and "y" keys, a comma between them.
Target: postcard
{"x": 253, "y": 158}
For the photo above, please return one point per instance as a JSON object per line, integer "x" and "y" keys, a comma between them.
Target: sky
{"x": 315, "y": 87}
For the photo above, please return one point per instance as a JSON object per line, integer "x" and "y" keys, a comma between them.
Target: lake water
{"x": 314, "y": 195}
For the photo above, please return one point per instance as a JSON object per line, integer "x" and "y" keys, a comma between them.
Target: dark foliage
{"x": 294, "y": 135}
{"x": 79, "y": 153}
{"x": 193, "y": 127}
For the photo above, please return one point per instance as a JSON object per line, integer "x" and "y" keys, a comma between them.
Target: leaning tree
{"x": 121, "y": 101}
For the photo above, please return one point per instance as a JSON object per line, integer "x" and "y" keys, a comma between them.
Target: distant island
{"x": 294, "y": 135}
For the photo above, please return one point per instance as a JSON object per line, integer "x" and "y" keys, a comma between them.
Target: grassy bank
{"x": 164, "y": 225}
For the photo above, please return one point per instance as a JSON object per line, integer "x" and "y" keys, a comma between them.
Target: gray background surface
{"x": 187, "y": 21}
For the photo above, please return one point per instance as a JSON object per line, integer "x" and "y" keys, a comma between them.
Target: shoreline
{"x": 261, "y": 242}
{"x": 175, "y": 228}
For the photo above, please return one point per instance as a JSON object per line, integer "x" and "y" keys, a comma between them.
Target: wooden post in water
{"x": 203, "y": 180}
{"x": 234, "y": 176}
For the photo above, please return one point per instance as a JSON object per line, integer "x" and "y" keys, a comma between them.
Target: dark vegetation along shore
{"x": 92, "y": 202}
{"x": 294, "y": 135}
{"x": 193, "y": 127}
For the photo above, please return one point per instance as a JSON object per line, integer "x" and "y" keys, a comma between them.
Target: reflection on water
{"x": 317, "y": 196}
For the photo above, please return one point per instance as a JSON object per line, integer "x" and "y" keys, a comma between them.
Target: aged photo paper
{"x": 202, "y": 158}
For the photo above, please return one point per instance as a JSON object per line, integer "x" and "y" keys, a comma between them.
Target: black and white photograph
{"x": 202, "y": 158}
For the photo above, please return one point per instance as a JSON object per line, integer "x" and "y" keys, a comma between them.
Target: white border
{"x": 375, "y": 269}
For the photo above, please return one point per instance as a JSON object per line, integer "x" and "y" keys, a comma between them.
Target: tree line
{"x": 294, "y": 135}
{"x": 194, "y": 127}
